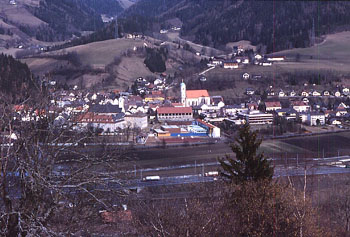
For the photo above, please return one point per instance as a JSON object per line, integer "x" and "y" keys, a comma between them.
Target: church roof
{"x": 196, "y": 93}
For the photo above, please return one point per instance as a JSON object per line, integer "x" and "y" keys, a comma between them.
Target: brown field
{"x": 131, "y": 68}
{"x": 99, "y": 54}
{"x": 19, "y": 14}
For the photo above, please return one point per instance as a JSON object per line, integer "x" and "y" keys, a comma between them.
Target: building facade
{"x": 174, "y": 113}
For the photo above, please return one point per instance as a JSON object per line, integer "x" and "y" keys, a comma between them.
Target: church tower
{"x": 183, "y": 93}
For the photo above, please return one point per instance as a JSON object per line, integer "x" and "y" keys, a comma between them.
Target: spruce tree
{"x": 248, "y": 165}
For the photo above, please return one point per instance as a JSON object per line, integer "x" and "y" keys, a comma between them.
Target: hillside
{"x": 16, "y": 80}
{"x": 272, "y": 25}
{"x": 33, "y": 22}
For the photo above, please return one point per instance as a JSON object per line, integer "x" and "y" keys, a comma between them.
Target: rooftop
{"x": 171, "y": 110}
{"x": 196, "y": 93}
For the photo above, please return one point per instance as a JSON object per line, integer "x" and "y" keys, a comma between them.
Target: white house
{"x": 273, "y": 105}
{"x": 300, "y": 106}
{"x": 246, "y": 76}
{"x": 258, "y": 57}
{"x": 281, "y": 94}
{"x": 138, "y": 120}
{"x": 337, "y": 94}
{"x": 275, "y": 59}
{"x": 326, "y": 93}
{"x": 315, "y": 118}
{"x": 304, "y": 93}
{"x": 316, "y": 93}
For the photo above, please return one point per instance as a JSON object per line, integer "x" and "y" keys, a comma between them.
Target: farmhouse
{"x": 230, "y": 64}
{"x": 300, "y": 106}
{"x": 272, "y": 105}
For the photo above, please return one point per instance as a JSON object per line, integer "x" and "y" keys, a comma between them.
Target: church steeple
{"x": 183, "y": 93}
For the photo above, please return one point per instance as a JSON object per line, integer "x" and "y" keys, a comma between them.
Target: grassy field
{"x": 99, "y": 54}
{"x": 332, "y": 55}
{"x": 18, "y": 13}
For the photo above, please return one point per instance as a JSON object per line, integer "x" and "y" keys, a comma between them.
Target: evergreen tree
{"x": 248, "y": 164}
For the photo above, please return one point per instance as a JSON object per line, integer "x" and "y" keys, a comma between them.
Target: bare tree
{"x": 51, "y": 185}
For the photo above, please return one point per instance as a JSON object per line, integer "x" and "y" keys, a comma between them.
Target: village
{"x": 149, "y": 116}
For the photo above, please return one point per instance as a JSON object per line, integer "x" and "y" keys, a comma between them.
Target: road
{"x": 312, "y": 166}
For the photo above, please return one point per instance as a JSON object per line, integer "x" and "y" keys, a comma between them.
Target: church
{"x": 193, "y": 97}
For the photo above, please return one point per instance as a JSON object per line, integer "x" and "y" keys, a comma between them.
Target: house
{"x": 107, "y": 109}
{"x": 242, "y": 59}
{"x": 137, "y": 120}
{"x": 174, "y": 113}
{"x": 339, "y": 112}
{"x": 194, "y": 97}
{"x": 250, "y": 91}
{"x": 252, "y": 106}
{"x": 316, "y": 93}
{"x": 246, "y": 76}
{"x": 342, "y": 105}
{"x": 106, "y": 122}
{"x": 217, "y": 61}
{"x": 230, "y": 64}
{"x": 316, "y": 118}
{"x": 304, "y": 93}
{"x": 326, "y": 93}
{"x": 233, "y": 109}
{"x": 300, "y": 106}
{"x": 272, "y": 105}
{"x": 288, "y": 113}
{"x": 334, "y": 121}
{"x": 258, "y": 57}
{"x": 154, "y": 97}
{"x": 276, "y": 59}
{"x": 281, "y": 94}
{"x": 306, "y": 100}
{"x": 337, "y": 94}
{"x": 266, "y": 64}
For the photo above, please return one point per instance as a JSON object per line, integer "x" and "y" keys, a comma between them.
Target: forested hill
{"x": 16, "y": 81}
{"x": 58, "y": 20}
{"x": 276, "y": 25}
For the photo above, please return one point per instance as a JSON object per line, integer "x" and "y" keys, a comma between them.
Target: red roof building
{"x": 273, "y": 105}
{"x": 174, "y": 113}
{"x": 192, "y": 94}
